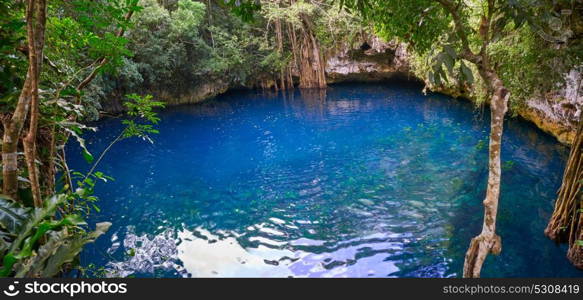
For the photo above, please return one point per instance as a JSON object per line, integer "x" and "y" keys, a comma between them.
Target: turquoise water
{"x": 360, "y": 180}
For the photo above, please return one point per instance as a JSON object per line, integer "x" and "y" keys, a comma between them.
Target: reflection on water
{"x": 199, "y": 253}
{"x": 352, "y": 181}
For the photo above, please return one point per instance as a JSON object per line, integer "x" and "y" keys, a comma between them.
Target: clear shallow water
{"x": 359, "y": 181}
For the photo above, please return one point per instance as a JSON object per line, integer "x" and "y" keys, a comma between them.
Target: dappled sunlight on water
{"x": 355, "y": 181}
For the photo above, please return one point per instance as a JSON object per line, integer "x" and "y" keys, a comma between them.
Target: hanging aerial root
{"x": 479, "y": 248}
{"x": 557, "y": 228}
{"x": 566, "y": 223}
{"x": 575, "y": 255}
{"x": 567, "y": 205}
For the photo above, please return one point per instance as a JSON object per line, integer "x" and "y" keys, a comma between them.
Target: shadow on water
{"x": 359, "y": 180}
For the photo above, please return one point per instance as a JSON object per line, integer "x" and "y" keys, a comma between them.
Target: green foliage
{"x": 530, "y": 44}
{"x": 23, "y": 253}
{"x": 83, "y": 39}
{"x": 332, "y": 27}
{"x": 537, "y": 67}
{"x": 12, "y": 61}
{"x": 420, "y": 22}
{"x": 185, "y": 44}
{"x": 81, "y": 31}
{"x": 141, "y": 121}
{"x": 271, "y": 10}
{"x": 12, "y": 215}
{"x": 69, "y": 249}
{"x": 186, "y": 20}
{"x": 143, "y": 117}
{"x": 78, "y": 35}
{"x": 182, "y": 45}
{"x": 245, "y": 9}
{"x": 75, "y": 130}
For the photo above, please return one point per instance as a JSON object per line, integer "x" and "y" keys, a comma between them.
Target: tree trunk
{"x": 12, "y": 129}
{"x": 28, "y": 100}
{"x": 36, "y": 44}
{"x": 279, "y": 39}
{"x": 488, "y": 241}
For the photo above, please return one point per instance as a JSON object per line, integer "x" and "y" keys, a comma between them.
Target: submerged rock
{"x": 366, "y": 201}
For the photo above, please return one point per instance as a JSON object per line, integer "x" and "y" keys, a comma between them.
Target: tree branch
{"x": 100, "y": 62}
{"x": 466, "y": 53}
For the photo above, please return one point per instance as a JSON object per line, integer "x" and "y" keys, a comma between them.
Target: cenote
{"x": 358, "y": 180}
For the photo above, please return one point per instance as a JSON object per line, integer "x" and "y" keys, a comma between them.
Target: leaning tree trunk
{"x": 488, "y": 241}
{"x": 12, "y": 130}
{"x": 28, "y": 100}
{"x": 566, "y": 223}
{"x": 36, "y": 40}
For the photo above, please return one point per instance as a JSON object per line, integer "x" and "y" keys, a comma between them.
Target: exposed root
{"x": 575, "y": 256}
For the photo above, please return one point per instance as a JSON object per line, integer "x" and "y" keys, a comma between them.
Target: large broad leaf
{"x": 12, "y": 215}
{"x": 76, "y": 130}
{"x": 38, "y": 215}
{"x": 43, "y": 228}
{"x": 450, "y": 51}
{"x": 35, "y": 265}
{"x": 431, "y": 77}
{"x": 71, "y": 248}
{"x": 448, "y": 61}
{"x": 25, "y": 233}
{"x": 467, "y": 73}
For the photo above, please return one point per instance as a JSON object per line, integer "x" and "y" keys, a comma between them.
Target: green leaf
{"x": 87, "y": 156}
{"x": 442, "y": 75}
{"x": 71, "y": 248}
{"x": 437, "y": 77}
{"x": 448, "y": 61}
{"x": 12, "y": 215}
{"x": 43, "y": 228}
{"x": 431, "y": 77}
{"x": 7, "y": 264}
{"x": 36, "y": 217}
{"x": 450, "y": 51}
{"x": 467, "y": 73}
{"x": 36, "y": 264}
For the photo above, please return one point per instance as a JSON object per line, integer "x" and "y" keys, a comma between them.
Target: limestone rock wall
{"x": 369, "y": 60}
{"x": 373, "y": 60}
{"x": 558, "y": 112}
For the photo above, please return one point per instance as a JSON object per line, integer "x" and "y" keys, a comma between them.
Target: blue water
{"x": 360, "y": 180}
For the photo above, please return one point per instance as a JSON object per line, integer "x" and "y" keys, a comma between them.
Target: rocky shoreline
{"x": 556, "y": 113}
{"x": 376, "y": 61}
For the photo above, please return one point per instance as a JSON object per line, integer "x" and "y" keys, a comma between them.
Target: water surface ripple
{"x": 359, "y": 180}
